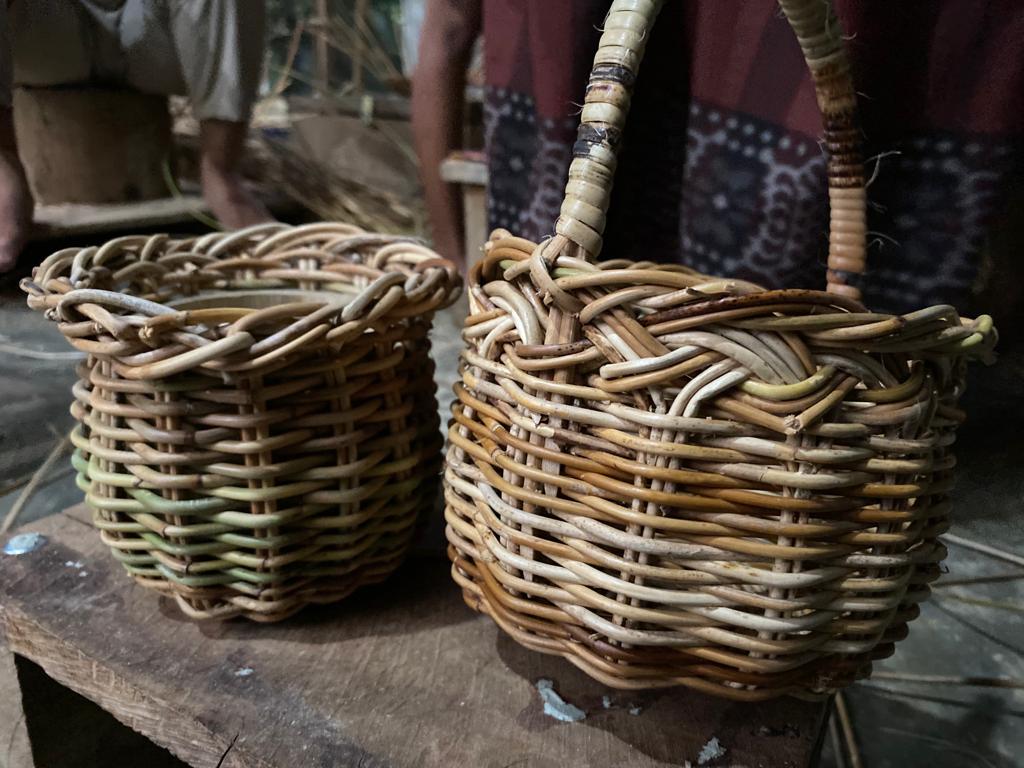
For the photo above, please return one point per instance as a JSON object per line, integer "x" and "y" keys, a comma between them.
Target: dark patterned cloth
{"x": 722, "y": 169}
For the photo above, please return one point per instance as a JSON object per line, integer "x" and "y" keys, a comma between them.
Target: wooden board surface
{"x": 69, "y": 220}
{"x": 73, "y": 220}
{"x": 400, "y": 675}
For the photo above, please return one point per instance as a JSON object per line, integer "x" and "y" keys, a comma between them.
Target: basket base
{"x": 653, "y": 668}
{"x": 197, "y": 608}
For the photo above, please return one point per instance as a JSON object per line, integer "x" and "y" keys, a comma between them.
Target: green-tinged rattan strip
{"x": 789, "y": 391}
{"x": 280, "y": 541}
{"x": 131, "y": 506}
{"x": 149, "y": 573}
{"x": 222, "y": 496}
{"x": 192, "y": 567}
{"x": 230, "y": 518}
{"x": 135, "y": 559}
{"x": 356, "y": 544}
{"x": 152, "y": 501}
{"x": 225, "y": 577}
{"x": 78, "y": 461}
{"x": 268, "y": 519}
{"x": 274, "y": 493}
{"x": 213, "y": 510}
{"x": 161, "y": 527}
{"x": 183, "y": 550}
{"x": 892, "y": 394}
{"x": 238, "y": 577}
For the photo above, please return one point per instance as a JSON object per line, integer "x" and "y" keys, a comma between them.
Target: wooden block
{"x": 474, "y": 213}
{"x": 468, "y": 168}
{"x": 87, "y": 144}
{"x": 402, "y": 674}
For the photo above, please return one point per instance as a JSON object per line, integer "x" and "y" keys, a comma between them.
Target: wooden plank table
{"x": 402, "y": 674}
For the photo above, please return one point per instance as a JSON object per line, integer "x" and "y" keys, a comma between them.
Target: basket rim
{"x": 151, "y": 302}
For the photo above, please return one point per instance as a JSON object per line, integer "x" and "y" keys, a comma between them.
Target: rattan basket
{"x": 674, "y": 479}
{"x": 257, "y": 423}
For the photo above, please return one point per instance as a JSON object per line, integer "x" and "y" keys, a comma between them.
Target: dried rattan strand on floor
{"x": 985, "y": 549}
{"x": 981, "y": 682}
{"x": 849, "y": 736}
{"x": 41, "y": 474}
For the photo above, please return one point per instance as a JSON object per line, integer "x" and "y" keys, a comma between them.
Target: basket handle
{"x": 588, "y": 190}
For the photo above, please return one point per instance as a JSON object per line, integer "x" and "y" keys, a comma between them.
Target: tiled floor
{"x": 898, "y": 724}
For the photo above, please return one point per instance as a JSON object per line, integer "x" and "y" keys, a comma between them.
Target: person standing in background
{"x": 721, "y": 167}
{"x": 210, "y": 50}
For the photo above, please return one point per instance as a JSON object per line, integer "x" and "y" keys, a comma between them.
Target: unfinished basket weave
{"x": 674, "y": 479}
{"x": 257, "y": 418}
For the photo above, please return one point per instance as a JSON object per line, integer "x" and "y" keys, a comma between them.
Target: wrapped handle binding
{"x": 616, "y": 64}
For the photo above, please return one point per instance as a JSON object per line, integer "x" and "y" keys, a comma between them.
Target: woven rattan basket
{"x": 674, "y": 479}
{"x": 257, "y": 423}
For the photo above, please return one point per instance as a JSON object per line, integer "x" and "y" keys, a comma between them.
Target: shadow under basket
{"x": 257, "y": 420}
{"x": 675, "y": 479}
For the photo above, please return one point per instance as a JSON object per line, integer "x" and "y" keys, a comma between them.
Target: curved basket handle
{"x": 588, "y": 191}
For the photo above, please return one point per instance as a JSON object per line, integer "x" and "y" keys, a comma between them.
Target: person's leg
{"x": 222, "y": 143}
{"x": 212, "y": 51}
{"x": 15, "y": 196}
{"x": 220, "y": 49}
{"x": 51, "y": 46}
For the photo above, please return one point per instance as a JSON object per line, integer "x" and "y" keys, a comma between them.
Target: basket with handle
{"x": 257, "y": 422}
{"x": 675, "y": 479}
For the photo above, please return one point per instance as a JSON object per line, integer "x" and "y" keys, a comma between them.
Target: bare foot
{"x": 15, "y": 209}
{"x": 233, "y": 205}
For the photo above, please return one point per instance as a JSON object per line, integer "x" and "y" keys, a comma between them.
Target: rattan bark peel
{"x": 676, "y": 479}
{"x": 257, "y": 416}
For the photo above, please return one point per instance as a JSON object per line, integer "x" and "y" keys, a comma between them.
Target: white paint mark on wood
{"x": 710, "y": 751}
{"x": 557, "y": 707}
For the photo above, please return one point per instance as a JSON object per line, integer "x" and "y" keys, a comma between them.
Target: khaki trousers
{"x": 209, "y": 50}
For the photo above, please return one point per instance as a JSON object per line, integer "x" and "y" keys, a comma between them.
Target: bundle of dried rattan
{"x": 674, "y": 479}
{"x": 257, "y": 415}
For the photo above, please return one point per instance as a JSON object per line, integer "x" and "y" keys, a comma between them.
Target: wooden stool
{"x": 89, "y": 144}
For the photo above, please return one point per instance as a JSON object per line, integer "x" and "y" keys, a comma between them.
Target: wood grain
{"x": 15, "y": 751}
{"x": 399, "y": 675}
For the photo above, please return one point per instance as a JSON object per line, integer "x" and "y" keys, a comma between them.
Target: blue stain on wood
{"x": 557, "y": 707}
{"x": 24, "y": 543}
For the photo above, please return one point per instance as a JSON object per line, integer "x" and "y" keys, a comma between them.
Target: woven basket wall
{"x": 257, "y": 423}
{"x": 676, "y": 479}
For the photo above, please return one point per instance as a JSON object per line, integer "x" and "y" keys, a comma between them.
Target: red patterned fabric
{"x": 721, "y": 167}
